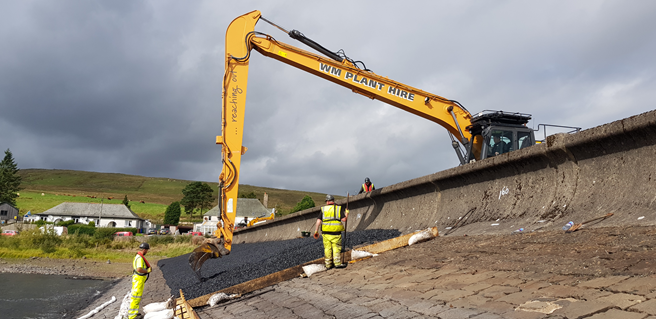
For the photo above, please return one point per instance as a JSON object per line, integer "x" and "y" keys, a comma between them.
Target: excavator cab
{"x": 500, "y": 132}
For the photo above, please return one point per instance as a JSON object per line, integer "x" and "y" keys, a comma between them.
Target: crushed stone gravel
{"x": 250, "y": 261}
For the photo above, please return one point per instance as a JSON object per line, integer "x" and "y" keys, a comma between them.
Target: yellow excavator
{"x": 474, "y": 138}
{"x": 261, "y": 219}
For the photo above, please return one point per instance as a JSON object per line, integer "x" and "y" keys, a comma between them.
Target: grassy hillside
{"x": 44, "y": 189}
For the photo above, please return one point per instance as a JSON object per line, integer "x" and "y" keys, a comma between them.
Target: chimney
{"x": 265, "y": 199}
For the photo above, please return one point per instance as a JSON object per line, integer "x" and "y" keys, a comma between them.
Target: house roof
{"x": 117, "y": 211}
{"x": 9, "y": 204}
{"x": 245, "y": 208}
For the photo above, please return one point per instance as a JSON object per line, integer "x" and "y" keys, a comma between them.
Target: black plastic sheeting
{"x": 250, "y": 261}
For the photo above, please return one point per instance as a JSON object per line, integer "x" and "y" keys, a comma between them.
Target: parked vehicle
{"x": 152, "y": 231}
{"x": 165, "y": 231}
{"x": 10, "y": 233}
{"x": 123, "y": 234}
{"x": 195, "y": 233}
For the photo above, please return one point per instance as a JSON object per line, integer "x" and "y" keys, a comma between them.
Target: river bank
{"x": 69, "y": 267}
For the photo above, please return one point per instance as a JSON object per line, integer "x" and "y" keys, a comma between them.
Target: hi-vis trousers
{"x": 135, "y": 295}
{"x": 332, "y": 249}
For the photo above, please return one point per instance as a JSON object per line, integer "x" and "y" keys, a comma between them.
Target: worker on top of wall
{"x": 332, "y": 218}
{"x": 140, "y": 271}
{"x": 367, "y": 186}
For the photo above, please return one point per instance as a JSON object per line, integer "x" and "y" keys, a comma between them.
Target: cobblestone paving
{"x": 363, "y": 292}
{"x": 421, "y": 282}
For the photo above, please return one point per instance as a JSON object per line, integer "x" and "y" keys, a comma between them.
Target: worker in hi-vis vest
{"x": 140, "y": 270}
{"x": 331, "y": 218}
{"x": 367, "y": 186}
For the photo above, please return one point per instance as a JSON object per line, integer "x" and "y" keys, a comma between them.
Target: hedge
{"x": 97, "y": 232}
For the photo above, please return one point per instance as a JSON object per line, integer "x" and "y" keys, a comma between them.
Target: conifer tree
{"x": 172, "y": 214}
{"x": 125, "y": 201}
{"x": 10, "y": 180}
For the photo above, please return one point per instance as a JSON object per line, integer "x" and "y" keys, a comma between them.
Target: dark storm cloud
{"x": 135, "y": 86}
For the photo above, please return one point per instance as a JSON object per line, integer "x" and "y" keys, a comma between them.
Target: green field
{"x": 44, "y": 189}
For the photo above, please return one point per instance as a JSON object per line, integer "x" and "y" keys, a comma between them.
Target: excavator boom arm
{"x": 421, "y": 103}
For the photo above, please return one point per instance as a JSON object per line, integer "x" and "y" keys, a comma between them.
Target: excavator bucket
{"x": 210, "y": 249}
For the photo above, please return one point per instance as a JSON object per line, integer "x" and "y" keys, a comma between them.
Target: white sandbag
{"x": 125, "y": 305}
{"x": 158, "y": 306}
{"x": 162, "y": 314}
{"x": 313, "y": 268}
{"x": 216, "y": 298}
{"x": 94, "y": 311}
{"x": 422, "y": 236}
{"x": 357, "y": 254}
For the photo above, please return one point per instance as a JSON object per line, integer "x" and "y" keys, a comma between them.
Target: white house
{"x": 247, "y": 209}
{"x": 103, "y": 215}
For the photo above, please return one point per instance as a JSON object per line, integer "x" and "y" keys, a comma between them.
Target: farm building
{"x": 103, "y": 215}
{"x": 7, "y": 211}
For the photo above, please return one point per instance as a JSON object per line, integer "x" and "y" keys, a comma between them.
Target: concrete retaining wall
{"x": 610, "y": 168}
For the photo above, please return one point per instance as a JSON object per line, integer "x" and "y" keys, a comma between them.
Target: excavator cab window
{"x": 499, "y": 142}
{"x": 524, "y": 139}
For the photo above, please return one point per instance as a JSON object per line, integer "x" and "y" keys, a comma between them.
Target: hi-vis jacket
{"x": 331, "y": 223}
{"x": 139, "y": 262}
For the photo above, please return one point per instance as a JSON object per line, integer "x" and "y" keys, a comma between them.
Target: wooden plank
{"x": 394, "y": 243}
{"x": 256, "y": 284}
{"x": 183, "y": 310}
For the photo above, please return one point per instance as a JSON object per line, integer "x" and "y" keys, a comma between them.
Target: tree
{"x": 172, "y": 215}
{"x": 306, "y": 203}
{"x": 10, "y": 181}
{"x": 126, "y": 202}
{"x": 278, "y": 210}
{"x": 197, "y": 195}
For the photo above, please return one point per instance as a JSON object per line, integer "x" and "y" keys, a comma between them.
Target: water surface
{"x": 45, "y": 296}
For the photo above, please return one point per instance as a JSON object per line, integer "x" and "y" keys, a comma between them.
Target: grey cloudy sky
{"x": 134, "y": 86}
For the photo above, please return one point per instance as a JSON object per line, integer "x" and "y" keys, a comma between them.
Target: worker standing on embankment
{"x": 366, "y": 187}
{"x": 140, "y": 270}
{"x": 331, "y": 217}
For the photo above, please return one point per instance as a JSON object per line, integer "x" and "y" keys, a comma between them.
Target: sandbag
{"x": 357, "y": 254}
{"x": 162, "y": 314}
{"x": 94, "y": 311}
{"x": 125, "y": 305}
{"x": 216, "y": 298}
{"x": 425, "y": 235}
{"x": 159, "y": 306}
{"x": 313, "y": 268}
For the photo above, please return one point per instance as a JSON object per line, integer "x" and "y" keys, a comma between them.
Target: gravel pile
{"x": 249, "y": 261}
